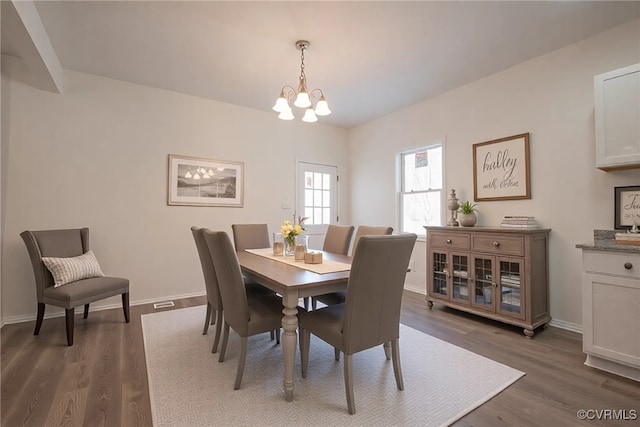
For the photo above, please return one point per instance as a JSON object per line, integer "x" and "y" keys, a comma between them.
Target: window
{"x": 420, "y": 188}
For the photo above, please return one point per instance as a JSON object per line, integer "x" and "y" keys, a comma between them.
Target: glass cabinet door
{"x": 460, "y": 277}
{"x": 510, "y": 282}
{"x": 438, "y": 285}
{"x": 485, "y": 285}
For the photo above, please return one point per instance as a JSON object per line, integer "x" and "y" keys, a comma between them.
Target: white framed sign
{"x": 501, "y": 169}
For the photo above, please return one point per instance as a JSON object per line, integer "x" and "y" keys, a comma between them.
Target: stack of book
{"x": 630, "y": 239}
{"x": 519, "y": 222}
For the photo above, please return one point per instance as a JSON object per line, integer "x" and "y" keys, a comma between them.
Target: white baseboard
{"x": 53, "y": 311}
{"x": 573, "y": 327}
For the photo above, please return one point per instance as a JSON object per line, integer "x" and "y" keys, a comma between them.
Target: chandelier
{"x": 303, "y": 97}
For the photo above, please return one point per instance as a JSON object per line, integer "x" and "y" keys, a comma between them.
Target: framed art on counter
{"x": 627, "y": 207}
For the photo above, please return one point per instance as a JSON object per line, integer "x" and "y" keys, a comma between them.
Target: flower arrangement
{"x": 290, "y": 231}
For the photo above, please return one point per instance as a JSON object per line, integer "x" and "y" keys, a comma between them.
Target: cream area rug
{"x": 188, "y": 387}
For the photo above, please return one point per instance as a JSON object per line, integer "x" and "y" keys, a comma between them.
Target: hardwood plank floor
{"x": 102, "y": 379}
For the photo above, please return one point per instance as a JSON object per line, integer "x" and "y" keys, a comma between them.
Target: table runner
{"x": 327, "y": 266}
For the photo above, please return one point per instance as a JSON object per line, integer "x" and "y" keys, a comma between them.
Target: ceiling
{"x": 369, "y": 58}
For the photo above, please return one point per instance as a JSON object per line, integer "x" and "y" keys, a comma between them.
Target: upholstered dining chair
{"x": 337, "y": 239}
{"x": 214, "y": 301}
{"x": 246, "y": 316}
{"x": 250, "y": 236}
{"x": 340, "y": 296}
{"x": 368, "y": 230}
{"x": 370, "y": 315}
{"x": 68, "y": 275}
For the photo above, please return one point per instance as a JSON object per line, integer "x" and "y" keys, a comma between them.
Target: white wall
{"x": 96, "y": 156}
{"x": 551, "y": 97}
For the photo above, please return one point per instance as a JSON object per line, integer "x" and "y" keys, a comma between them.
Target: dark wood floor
{"x": 102, "y": 379}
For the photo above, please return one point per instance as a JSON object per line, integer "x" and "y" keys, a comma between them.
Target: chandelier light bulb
{"x": 309, "y": 116}
{"x": 196, "y": 176}
{"x": 281, "y": 104}
{"x": 210, "y": 172}
{"x": 302, "y": 100}
{"x": 286, "y": 115}
{"x": 188, "y": 174}
{"x": 322, "y": 107}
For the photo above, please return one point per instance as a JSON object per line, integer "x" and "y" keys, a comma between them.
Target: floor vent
{"x": 165, "y": 304}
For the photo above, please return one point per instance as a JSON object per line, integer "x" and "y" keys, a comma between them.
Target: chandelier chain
{"x": 303, "y": 77}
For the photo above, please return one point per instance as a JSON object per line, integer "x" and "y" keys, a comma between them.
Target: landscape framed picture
{"x": 627, "y": 207}
{"x": 196, "y": 181}
{"x": 501, "y": 169}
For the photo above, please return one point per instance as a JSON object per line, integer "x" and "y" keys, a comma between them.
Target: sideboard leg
{"x": 528, "y": 333}
{"x": 430, "y": 304}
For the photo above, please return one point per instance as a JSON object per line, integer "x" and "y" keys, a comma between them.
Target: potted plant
{"x": 467, "y": 214}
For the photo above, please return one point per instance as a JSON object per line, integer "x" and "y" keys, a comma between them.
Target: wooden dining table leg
{"x": 289, "y": 340}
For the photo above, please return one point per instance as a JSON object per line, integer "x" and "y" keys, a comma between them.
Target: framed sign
{"x": 501, "y": 169}
{"x": 195, "y": 181}
{"x": 627, "y": 207}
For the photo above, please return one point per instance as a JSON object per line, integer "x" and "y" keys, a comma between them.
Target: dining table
{"x": 294, "y": 280}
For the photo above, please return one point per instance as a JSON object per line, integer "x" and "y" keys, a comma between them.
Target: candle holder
{"x": 453, "y": 204}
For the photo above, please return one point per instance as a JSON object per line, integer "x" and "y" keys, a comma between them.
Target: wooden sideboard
{"x": 499, "y": 273}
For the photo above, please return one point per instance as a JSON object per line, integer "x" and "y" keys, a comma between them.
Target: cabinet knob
{"x": 448, "y": 240}
{"x": 496, "y": 244}
{"x": 628, "y": 265}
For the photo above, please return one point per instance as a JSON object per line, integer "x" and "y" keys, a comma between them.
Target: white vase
{"x": 467, "y": 220}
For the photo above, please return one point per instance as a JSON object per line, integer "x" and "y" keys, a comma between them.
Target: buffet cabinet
{"x": 498, "y": 273}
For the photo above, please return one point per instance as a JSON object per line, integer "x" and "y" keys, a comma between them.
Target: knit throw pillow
{"x": 67, "y": 270}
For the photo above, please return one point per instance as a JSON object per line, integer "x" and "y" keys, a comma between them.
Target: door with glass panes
{"x": 450, "y": 276}
{"x": 317, "y": 199}
{"x": 498, "y": 285}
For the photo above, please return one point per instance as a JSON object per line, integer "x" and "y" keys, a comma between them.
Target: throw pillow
{"x": 67, "y": 270}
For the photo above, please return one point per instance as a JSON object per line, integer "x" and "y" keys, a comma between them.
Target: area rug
{"x": 188, "y": 387}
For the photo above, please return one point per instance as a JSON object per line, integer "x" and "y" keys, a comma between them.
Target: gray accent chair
{"x": 63, "y": 244}
{"x": 214, "y": 301}
{"x": 246, "y": 316}
{"x": 340, "y": 296}
{"x": 370, "y": 315}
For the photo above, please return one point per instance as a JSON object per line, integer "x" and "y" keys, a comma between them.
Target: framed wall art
{"x": 194, "y": 181}
{"x": 501, "y": 169}
{"x": 627, "y": 207}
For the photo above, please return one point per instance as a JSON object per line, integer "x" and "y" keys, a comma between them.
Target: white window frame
{"x": 401, "y": 184}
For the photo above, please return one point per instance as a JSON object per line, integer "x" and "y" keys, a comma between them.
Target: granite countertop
{"x": 605, "y": 240}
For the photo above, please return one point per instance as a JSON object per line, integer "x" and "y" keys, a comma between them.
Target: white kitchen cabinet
{"x": 611, "y": 311}
{"x": 617, "y": 118}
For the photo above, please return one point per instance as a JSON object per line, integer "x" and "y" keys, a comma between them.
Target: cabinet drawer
{"x": 612, "y": 263}
{"x": 497, "y": 244}
{"x": 449, "y": 240}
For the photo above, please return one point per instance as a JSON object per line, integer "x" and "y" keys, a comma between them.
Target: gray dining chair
{"x": 246, "y": 316}
{"x": 340, "y": 296}
{"x": 370, "y": 315}
{"x": 215, "y": 307}
{"x": 250, "y": 236}
{"x": 368, "y": 230}
{"x": 337, "y": 239}
{"x": 67, "y": 250}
